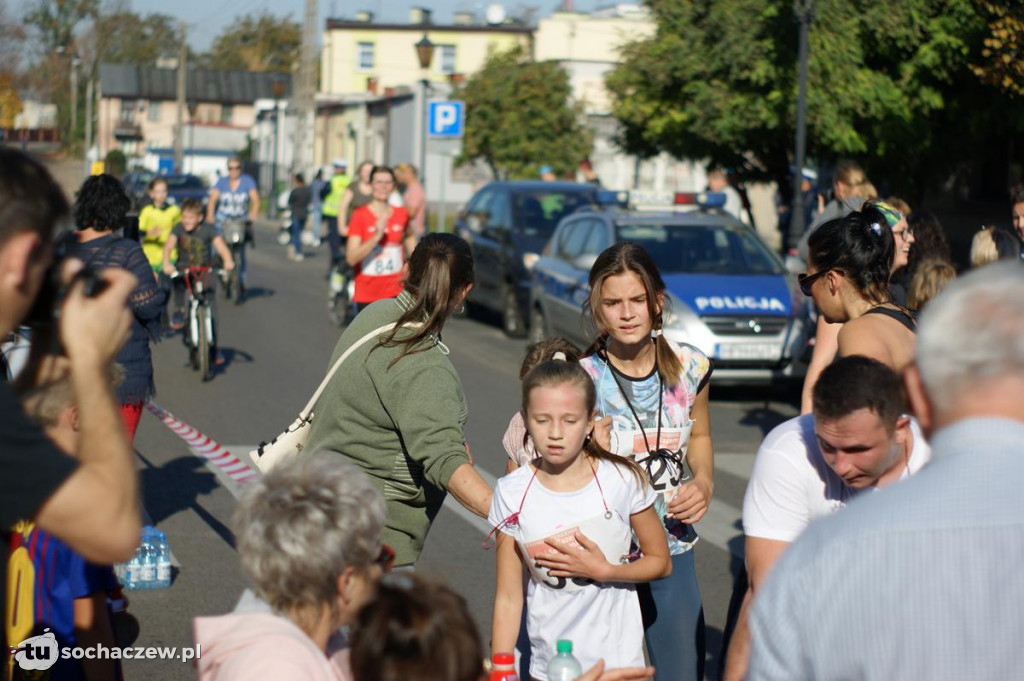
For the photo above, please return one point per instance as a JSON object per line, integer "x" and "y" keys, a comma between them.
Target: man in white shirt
{"x": 718, "y": 181}
{"x": 858, "y": 438}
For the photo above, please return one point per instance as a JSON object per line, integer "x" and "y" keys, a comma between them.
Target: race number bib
{"x": 609, "y": 531}
{"x": 383, "y": 262}
{"x": 667, "y": 473}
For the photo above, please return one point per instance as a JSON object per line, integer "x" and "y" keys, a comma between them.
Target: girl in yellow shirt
{"x": 155, "y": 223}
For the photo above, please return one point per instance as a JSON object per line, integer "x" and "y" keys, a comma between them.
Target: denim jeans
{"x": 674, "y": 622}
{"x": 296, "y": 231}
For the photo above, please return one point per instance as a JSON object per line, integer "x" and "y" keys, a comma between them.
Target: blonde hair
{"x": 44, "y": 403}
{"x": 851, "y": 175}
{"x": 929, "y": 278}
{"x": 899, "y": 204}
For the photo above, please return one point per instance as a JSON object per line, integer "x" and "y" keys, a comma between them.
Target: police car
{"x": 729, "y": 294}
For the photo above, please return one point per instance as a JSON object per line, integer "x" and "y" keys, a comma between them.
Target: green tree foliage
{"x": 260, "y": 43}
{"x": 889, "y": 83}
{"x": 56, "y": 20}
{"x": 131, "y": 38}
{"x": 519, "y": 117}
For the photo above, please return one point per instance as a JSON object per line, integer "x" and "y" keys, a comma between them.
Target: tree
{"x": 56, "y": 21}
{"x": 263, "y": 43}
{"x": 1003, "y": 54}
{"x": 889, "y": 84}
{"x": 519, "y": 117}
{"x": 130, "y": 38}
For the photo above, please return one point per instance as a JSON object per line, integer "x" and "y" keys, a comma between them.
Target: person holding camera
{"x": 100, "y": 210}
{"x": 91, "y": 503}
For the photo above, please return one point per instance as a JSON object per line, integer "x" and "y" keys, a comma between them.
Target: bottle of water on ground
{"x": 563, "y": 666}
{"x": 150, "y": 567}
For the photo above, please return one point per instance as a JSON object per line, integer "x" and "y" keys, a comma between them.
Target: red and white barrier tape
{"x": 205, "y": 447}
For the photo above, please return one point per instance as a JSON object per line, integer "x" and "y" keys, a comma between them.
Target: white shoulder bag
{"x": 293, "y": 440}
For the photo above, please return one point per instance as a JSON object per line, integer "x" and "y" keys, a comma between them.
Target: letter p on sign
{"x": 446, "y": 119}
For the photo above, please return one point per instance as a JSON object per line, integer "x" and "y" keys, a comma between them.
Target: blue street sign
{"x": 446, "y": 119}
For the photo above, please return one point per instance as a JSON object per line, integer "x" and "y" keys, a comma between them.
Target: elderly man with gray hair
{"x": 926, "y": 580}
{"x": 309, "y": 540}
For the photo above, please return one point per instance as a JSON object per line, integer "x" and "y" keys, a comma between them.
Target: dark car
{"x": 136, "y": 184}
{"x": 181, "y": 187}
{"x": 507, "y": 224}
{"x": 728, "y": 293}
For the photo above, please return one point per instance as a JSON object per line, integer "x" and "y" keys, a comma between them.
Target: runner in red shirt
{"x": 379, "y": 240}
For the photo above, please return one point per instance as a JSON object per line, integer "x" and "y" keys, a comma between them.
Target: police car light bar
{"x": 607, "y": 197}
{"x": 702, "y": 199}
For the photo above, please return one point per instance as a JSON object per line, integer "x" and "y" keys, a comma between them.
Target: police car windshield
{"x": 539, "y": 212}
{"x": 702, "y": 249}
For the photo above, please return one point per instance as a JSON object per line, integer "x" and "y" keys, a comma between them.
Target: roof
{"x": 542, "y": 185}
{"x": 202, "y": 85}
{"x": 343, "y": 25}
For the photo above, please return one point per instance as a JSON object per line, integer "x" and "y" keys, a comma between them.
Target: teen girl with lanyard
{"x": 656, "y": 393}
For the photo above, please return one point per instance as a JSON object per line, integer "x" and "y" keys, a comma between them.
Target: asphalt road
{"x": 277, "y": 345}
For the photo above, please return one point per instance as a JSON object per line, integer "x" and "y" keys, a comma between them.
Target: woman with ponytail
{"x": 396, "y": 409}
{"x": 655, "y": 391}
{"x": 850, "y": 262}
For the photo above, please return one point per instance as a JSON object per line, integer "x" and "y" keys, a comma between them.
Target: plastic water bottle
{"x": 503, "y": 667}
{"x": 163, "y": 562}
{"x": 147, "y": 561}
{"x": 563, "y": 666}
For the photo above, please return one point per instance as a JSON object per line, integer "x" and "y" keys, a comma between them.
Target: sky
{"x": 207, "y": 18}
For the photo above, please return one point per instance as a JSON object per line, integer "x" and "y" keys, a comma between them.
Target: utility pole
{"x": 304, "y": 93}
{"x": 805, "y": 13}
{"x": 179, "y": 130}
{"x": 74, "y": 94}
{"x": 90, "y": 84}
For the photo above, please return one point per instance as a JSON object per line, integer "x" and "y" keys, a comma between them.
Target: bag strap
{"x": 305, "y": 413}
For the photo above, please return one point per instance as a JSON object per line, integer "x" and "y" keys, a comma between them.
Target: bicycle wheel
{"x": 203, "y": 346}
{"x": 190, "y": 336}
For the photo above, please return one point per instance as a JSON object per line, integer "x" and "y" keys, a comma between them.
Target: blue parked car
{"x": 728, "y": 293}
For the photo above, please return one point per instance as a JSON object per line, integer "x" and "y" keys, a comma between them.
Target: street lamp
{"x": 425, "y": 54}
{"x": 804, "y": 10}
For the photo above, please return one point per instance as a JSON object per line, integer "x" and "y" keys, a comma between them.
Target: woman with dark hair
{"x": 399, "y": 414}
{"x": 930, "y": 244}
{"x": 655, "y": 390}
{"x": 991, "y": 244}
{"x": 99, "y": 211}
{"x": 851, "y": 260}
{"x": 379, "y": 239}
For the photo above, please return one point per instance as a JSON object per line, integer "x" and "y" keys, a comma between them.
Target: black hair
{"x": 440, "y": 269}
{"x": 1007, "y": 244}
{"x": 299, "y": 178}
{"x": 625, "y": 257}
{"x": 101, "y": 204}
{"x": 852, "y": 383}
{"x": 555, "y": 372}
{"x": 192, "y": 205}
{"x": 30, "y": 199}
{"x": 861, "y": 246}
{"x": 929, "y": 240}
{"x": 416, "y": 629}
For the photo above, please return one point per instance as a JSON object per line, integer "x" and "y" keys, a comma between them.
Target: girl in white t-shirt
{"x": 567, "y": 517}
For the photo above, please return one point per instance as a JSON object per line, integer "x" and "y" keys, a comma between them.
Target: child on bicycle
{"x": 196, "y": 242}
{"x": 568, "y": 517}
{"x": 155, "y": 224}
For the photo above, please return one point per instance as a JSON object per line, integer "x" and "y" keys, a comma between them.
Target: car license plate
{"x": 750, "y": 351}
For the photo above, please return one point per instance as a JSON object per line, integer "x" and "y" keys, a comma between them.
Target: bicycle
{"x": 235, "y": 235}
{"x": 200, "y": 328}
{"x": 340, "y": 289}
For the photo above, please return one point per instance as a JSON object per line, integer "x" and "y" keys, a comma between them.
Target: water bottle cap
{"x": 564, "y": 647}
{"x": 503, "y": 658}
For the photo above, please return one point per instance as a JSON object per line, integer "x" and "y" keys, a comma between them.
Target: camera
{"x": 45, "y": 312}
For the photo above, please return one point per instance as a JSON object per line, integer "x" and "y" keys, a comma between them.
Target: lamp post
{"x": 804, "y": 13}
{"x": 425, "y": 54}
{"x": 193, "y": 107}
{"x": 277, "y": 89}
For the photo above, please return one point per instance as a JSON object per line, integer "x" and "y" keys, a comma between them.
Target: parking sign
{"x": 446, "y": 119}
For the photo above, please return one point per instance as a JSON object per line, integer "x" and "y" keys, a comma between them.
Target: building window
{"x": 227, "y": 112}
{"x": 364, "y": 56}
{"x": 447, "y": 61}
{"x": 128, "y": 111}
{"x": 153, "y": 112}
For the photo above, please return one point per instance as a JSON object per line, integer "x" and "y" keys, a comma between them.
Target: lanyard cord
{"x": 514, "y": 518}
{"x": 661, "y": 395}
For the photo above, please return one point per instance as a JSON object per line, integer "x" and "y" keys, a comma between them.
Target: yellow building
{"x": 361, "y": 55}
